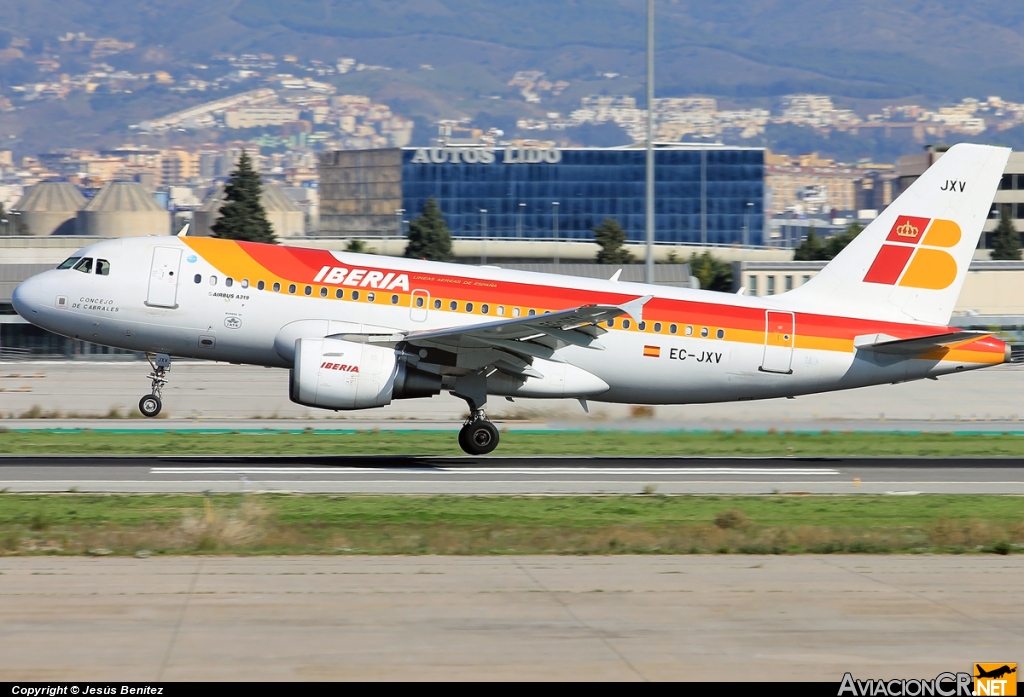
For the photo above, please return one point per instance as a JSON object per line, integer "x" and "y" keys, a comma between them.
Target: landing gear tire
{"x": 478, "y": 437}
{"x": 150, "y": 405}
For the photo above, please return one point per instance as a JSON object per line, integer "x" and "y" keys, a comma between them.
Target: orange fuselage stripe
{"x": 291, "y": 265}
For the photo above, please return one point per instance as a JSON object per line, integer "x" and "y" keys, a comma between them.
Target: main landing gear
{"x": 151, "y": 404}
{"x": 478, "y": 435}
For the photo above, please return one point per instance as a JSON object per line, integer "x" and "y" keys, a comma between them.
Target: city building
{"x": 1009, "y": 196}
{"x": 704, "y": 194}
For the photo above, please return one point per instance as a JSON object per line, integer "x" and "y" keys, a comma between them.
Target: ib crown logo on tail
{"x": 916, "y": 259}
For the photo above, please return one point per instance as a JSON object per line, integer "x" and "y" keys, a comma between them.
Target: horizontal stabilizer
{"x": 883, "y": 343}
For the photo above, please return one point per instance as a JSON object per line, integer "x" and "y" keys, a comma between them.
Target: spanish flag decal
{"x": 652, "y": 351}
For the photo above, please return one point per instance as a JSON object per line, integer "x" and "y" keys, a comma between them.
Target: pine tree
{"x": 429, "y": 237}
{"x": 1005, "y": 240}
{"x": 610, "y": 237}
{"x": 242, "y": 216}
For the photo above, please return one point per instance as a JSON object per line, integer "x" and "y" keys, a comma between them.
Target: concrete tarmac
{"x": 540, "y": 475}
{"x": 202, "y": 392}
{"x": 742, "y": 618}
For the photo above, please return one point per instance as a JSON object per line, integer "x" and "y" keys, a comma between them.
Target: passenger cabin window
{"x": 437, "y": 304}
{"x": 532, "y": 312}
{"x": 102, "y": 267}
{"x": 704, "y": 332}
{"x": 85, "y": 265}
{"x": 213, "y": 280}
{"x": 720, "y": 333}
{"x": 261, "y": 285}
{"x": 394, "y": 300}
{"x": 469, "y": 307}
{"x": 419, "y": 300}
{"x": 515, "y": 311}
{"x": 371, "y": 297}
{"x": 291, "y": 288}
{"x": 501, "y": 310}
{"x": 673, "y": 329}
{"x": 355, "y": 295}
{"x": 657, "y": 327}
{"x": 245, "y": 282}
{"x": 642, "y": 326}
{"x": 308, "y": 290}
{"x": 610, "y": 323}
{"x": 339, "y": 293}
{"x": 198, "y": 278}
{"x": 484, "y": 309}
{"x": 69, "y": 262}
{"x": 453, "y": 306}
{"x": 689, "y": 330}
{"x": 277, "y": 287}
{"x": 229, "y": 281}
{"x": 625, "y": 324}
{"x": 323, "y": 291}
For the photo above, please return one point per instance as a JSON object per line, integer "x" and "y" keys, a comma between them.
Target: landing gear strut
{"x": 151, "y": 404}
{"x": 478, "y": 435}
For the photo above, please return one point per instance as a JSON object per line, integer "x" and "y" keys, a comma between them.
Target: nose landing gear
{"x": 151, "y": 404}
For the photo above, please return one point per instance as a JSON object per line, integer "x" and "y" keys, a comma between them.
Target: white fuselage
{"x": 673, "y": 365}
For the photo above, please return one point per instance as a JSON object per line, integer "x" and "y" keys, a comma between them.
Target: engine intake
{"x": 337, "y": 374}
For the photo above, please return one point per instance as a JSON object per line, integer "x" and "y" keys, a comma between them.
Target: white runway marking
{"x": 502, "y": 470}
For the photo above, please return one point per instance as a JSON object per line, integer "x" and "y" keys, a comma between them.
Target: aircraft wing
{"x": 511, "y": 344}
{"x": 883, "y": 343}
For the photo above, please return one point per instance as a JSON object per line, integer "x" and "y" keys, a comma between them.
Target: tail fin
{"x": 911, "y": 261}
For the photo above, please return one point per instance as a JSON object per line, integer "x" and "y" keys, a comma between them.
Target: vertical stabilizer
{"x": 911, "y": 261}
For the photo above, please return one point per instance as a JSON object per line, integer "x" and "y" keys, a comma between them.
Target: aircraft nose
{"x": 26, "y": 298}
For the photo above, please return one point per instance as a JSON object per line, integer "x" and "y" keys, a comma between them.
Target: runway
{"x": 536, "y": 475}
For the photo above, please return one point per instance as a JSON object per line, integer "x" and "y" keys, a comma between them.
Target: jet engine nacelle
{"x": 337, "y": 374}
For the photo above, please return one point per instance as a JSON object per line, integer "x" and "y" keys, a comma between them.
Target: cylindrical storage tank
{"x": 123, "y": 209}
{"x": 50, "y": 208}
{"x": 285, "y": 218}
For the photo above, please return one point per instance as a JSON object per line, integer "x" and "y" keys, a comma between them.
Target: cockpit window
{"x": 102, "y": 267}
{"x": 69, "y": 262}
{"x": 85, "y": 265}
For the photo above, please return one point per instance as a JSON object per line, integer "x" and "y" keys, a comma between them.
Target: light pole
{"x": 746, "y": 224}
{"x": 483, "y": 243}
{"x": 554, "y": 229}
{"x": 649, "y": 218}
{"x": 398, "y": 219}
{"x": 519, "y": 222}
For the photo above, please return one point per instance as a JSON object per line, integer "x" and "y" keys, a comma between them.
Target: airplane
{"x": 995, "y": 673}
{"x": 359, "y": 331}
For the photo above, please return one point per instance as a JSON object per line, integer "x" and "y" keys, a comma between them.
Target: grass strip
{"x": 320, "y": 524}
{"x": 515, "y": 443}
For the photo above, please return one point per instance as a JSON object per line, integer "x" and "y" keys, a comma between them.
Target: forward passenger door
{"x": 163, "y": 277}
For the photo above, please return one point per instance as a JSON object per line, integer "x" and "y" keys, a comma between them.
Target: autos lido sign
{"x": 486, "y": 156}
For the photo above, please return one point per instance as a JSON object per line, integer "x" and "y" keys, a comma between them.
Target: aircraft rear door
{"x": 163, "y": 277}
{"x": 418, "y": 305}
{"x": 778, "y": 342}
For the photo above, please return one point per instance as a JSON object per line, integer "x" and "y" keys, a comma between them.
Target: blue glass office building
{"x": 708, "y": 194}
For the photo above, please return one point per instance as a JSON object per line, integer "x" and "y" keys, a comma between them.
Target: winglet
{"x": 184, "y": 231}
{"x": 615, "y": 276}
{"x": 635, "y": 308}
